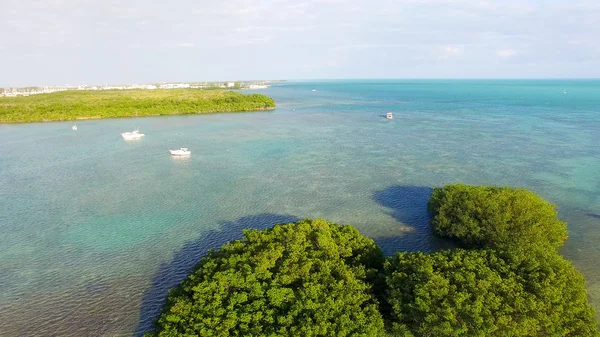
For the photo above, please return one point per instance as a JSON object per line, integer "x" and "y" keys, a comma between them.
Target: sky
{"x": 59, "y": 42}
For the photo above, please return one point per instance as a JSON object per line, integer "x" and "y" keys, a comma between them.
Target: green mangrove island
{"x": 315, "y": 278}
{"x": 83, "y": 104}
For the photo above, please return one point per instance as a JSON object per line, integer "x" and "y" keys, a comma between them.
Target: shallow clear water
{"x": 94, "y": 230}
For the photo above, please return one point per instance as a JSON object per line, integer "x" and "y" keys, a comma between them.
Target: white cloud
{"x": 452, "y": 50}
{"x": 275, "y": 36}
{"x": 448, "y": 51}
{"x": 138, "y": 45}
{"x": 506, "y": 52}
{"x": 365, "y": 46}
{"x": 578, "y": 41}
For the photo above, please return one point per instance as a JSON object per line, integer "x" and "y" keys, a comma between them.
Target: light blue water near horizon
{"x": 94, "y": 230}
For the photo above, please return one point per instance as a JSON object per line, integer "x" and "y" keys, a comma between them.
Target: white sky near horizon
{"x": 58, "y": 42}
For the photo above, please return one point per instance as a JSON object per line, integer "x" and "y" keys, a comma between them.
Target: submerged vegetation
{"x": 315, "y": 278}
{"x": 74, "y": 104}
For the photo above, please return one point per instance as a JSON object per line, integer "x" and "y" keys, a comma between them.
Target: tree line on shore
{"x": 73, "y": 104}
{"x": 316, "y": 278}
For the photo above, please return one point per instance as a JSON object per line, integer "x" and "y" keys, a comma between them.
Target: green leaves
{"x": 303, "y": 279}
{"x": 77, "y": 104}
{"x": 515, "y": 285}
{"x": 478, "y": 293}
{"x": 315, "y": 278}
{"x": 496, "y": 217}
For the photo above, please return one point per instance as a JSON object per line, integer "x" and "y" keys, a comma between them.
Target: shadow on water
{"x": 173, "y": 272}
{"x": 593, "y": 215}
{"x": 408, "y": 205}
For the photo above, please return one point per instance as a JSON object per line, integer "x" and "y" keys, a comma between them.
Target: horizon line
{"x": 325, "y": 79}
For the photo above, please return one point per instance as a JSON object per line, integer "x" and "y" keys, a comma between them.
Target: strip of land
{"x": 74, "y": 104}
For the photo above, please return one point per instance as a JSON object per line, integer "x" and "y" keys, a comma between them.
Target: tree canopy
{"x": 479, "y": 293}
{"x": 315, "y": 278}
{"x": 305, "y": 279}
{"x": 495, "y": 217}
{"x": 86, "y": 104}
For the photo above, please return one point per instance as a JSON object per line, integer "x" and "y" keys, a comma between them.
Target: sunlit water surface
{"x": 94, "y": 229}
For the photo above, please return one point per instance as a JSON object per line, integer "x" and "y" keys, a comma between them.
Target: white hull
{"x": 129, "y": 137}
{"x": 132, "y": 135}
{"x": 180, "y": 152}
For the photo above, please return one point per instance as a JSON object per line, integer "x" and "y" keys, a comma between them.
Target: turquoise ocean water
{"x": 94, "y": 230}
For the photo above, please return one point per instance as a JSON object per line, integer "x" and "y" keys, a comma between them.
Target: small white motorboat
{"x": 181, "y": 152}
{"x": 389, "y": 115}
{"x": 74, "y": 128}
{"x": 135, "y": 134}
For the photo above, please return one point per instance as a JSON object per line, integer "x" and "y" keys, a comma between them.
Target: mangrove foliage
{"x": 315, "y": 278}
{"x": 84, "y": 104}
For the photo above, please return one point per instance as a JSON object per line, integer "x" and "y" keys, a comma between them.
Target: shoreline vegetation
{"x": 316, "y": 278}
{"x": 80, "y": 105}
{"x": 237, "y": 85}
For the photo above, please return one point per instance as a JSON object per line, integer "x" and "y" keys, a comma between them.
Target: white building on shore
{"x": 174, "y": 86}
{"x": 12, "y": 92}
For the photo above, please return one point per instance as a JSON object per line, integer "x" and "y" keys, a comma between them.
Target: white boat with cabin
{"x": 389, "y": 115}
{"x": 74, "y": 128}
{"x": 184, "y": 151}
{"x": 135, "y": 134}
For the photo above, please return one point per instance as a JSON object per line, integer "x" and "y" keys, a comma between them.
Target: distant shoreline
{"x": 236, "y": 85}
{"x": 83, "y": 105}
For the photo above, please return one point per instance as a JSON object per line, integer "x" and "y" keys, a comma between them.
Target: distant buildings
{"x": 174, "y": 85}
{"x": 256, "y": 86}
{"x": 12, "y": 92}
{"x": 118, "y": 87}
